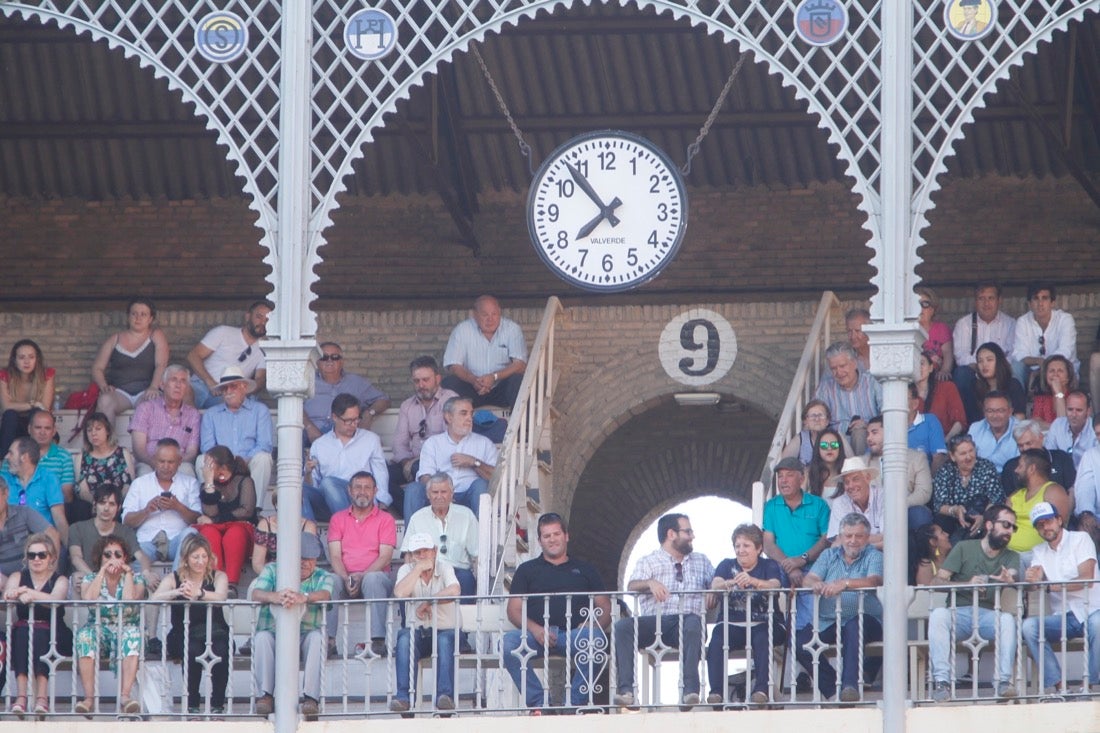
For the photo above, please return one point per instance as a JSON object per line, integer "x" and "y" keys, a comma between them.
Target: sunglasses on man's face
{"x": 331, "y": 357}
{"x": 1005, "y": 524}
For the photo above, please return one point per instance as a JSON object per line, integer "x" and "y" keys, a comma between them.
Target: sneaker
{"x": 759, "y": 698}
{"x": 690, "y": 700}
{"x": 1005, "y": 690}
{"x": 265, "y": 705}
{"x": 849, "y": 694}
{"x": 624, "y": 699}
{"x": 309, "y": 708}
{"x": 399, "y": 706}
{"x": 714, "y": 699}
{"x": 941, "y": 692}
{"x": 444, "y": 703}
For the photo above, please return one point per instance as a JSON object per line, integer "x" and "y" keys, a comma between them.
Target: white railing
{"x": 507, "y": 496}
{"x": 803, "y": 386}
{"x": 480, "y": 658}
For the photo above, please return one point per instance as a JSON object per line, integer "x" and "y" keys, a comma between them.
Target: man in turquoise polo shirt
{"x": 33, "y": 486}
{"x": 795, "y": 523}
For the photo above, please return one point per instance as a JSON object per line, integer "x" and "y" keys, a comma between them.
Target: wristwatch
{"x": 477, "y": 463}
{"x": 806, "y": 557}
{"x": 1060, "y": 395}
{"x": 371, "y": 411}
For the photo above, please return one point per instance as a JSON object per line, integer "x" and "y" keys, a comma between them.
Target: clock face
{"x": 607, "y": 211}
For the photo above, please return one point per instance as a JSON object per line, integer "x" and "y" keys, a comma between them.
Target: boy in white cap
{"x": 1063, "y": 557}
{"x": 427, "y": 623}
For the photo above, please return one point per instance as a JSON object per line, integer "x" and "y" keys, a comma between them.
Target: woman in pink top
{"x": 938, "y": 334}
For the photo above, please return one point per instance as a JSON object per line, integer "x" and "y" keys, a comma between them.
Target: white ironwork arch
{"x": 131, "y": 32}
{"x": 922, "y": 195}
{"x": 806, "y": 69}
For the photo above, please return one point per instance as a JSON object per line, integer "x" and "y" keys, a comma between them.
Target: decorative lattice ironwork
{"x": 840, "y": 83}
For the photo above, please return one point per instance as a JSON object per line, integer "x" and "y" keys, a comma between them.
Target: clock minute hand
{"x": 606, "y": 211}
{"x": 595, "y": 222}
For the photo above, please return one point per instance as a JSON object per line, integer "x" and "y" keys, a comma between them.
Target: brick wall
{"x": 396, "y": 252}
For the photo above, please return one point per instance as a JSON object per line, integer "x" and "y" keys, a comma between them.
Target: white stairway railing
{"x": 803, "y": 387}
{"x": 519, "y": 455}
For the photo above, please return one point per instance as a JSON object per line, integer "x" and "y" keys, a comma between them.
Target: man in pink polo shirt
{"x": 361, "y": 540}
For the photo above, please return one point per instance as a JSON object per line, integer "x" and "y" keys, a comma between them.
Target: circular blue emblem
{"x": 370, "y": 34}
{"x": 221, "y": 37}
{"x": 820, "y": 22}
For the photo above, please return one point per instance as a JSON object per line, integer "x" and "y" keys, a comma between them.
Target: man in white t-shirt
{"x": 226, "y": 346}
{"x": 1063, "y": 557}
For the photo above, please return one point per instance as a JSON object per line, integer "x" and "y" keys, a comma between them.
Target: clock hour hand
{"x": 587, "y": 228}
{"x": 606, "y": 211}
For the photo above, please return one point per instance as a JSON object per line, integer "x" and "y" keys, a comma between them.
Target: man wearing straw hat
{"x": 241, "y": 424}
{"x": 861, "y": 496}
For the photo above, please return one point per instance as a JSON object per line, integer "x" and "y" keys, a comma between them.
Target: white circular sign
{"x": 697, "y": 347}
{"x": 370, "y": 34}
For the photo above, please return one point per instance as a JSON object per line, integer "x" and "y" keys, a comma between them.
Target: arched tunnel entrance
{"x": 658, "y": 459}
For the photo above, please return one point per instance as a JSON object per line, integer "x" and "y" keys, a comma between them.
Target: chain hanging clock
{"x": 607, "y": 211}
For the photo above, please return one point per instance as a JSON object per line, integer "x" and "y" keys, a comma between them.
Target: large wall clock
{"x": 607, "y": 211}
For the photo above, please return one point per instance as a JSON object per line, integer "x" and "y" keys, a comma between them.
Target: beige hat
{"x": 856, "y": 464}
{"x": 229, "y": 376}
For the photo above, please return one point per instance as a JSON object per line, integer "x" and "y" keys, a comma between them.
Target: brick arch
{"x": 657, "y": 459}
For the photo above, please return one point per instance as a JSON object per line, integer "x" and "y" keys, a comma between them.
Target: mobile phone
{"x": 166, "y": 494}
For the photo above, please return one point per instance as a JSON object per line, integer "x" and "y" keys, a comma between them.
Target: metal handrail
{"x": 507, "y": 494}
{"x": 803, "y": 386}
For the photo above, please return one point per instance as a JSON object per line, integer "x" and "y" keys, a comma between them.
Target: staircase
{"x": 521, "y": 483}
{"x": 803, "y": 387}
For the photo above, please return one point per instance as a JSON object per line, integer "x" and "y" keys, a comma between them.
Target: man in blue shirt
{"x": 33, "y": 486}
{"x": 486, "y": 356}
{"x": 852, "y": 566}
{"x": 993, "y": 434}
{"x": 241, "y": 424}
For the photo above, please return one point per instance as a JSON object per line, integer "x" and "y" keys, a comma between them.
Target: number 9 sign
{"x": 697, "y": 347}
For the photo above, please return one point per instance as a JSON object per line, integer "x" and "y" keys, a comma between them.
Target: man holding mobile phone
{"x": 161, "y": 506}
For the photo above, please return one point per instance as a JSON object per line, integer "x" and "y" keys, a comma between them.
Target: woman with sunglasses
{"x": 816, "y": 417}
{"x": 937, "y": 334}
{"x": 826, "y": 464}
{"x": 228, "y": 500}
{"x": 1057, "y": 378}
{"x": 113, "y": 627}
{"x": 38, "y": 583}
{"x": 199, "y": 583}
{"x": 941, "y": 399}
{"x": 995, "y": 374}
{"x": 963, "y": 488}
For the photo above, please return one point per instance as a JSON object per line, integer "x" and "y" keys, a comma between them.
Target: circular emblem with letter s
{"x": 607, "y": 211}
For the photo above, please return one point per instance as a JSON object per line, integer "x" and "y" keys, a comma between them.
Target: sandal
{"x": 84, "y": 707}
{"x": 19, "y": 707}
{"x": 41, "y": 707}
{"x": 131, "y": 707}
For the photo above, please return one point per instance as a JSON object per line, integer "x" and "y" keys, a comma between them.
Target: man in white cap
{"x": 226, "y": 346}
{"x": 241, "y": 424}
{"x": 862, "y": 496}
{"x": 428, "y": 623}
{"x": 1070, "y": 558}
{"x": 314, "y": 591}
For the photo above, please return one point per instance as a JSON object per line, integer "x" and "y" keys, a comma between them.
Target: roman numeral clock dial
{"x": 607, "y": 211}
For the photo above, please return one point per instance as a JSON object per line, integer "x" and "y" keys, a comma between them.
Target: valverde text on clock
{"x": 607, "y": 211}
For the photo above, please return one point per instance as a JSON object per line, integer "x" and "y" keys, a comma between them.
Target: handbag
{"x": 83, "y": 401}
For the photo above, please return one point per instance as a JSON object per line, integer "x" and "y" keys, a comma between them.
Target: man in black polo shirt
{"x": 568, "y": 625}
